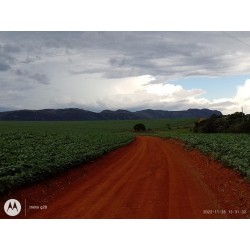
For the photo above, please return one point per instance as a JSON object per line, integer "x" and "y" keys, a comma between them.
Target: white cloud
{"x": 242, "y": 97}
{"x": 96, "y": 93}
{"x": 243, "y": 92}
{"x": 164, "y": 89}
{"x": 240, "y": 100}
{"x": 137, "y": 93}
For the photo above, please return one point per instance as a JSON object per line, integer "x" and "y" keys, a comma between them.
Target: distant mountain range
{"x": 74, "y": 114}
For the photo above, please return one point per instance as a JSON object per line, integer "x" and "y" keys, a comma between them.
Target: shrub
{"x": 140, "y": 127}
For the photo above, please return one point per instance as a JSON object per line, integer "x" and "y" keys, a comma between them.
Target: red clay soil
{"x": 150, "y": 178}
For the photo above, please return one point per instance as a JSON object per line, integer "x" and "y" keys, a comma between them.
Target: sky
{"x": 125, "y": 70}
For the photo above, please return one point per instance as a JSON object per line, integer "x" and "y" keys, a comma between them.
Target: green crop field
{"x": 32, "y": 151}
{"x": 233, "y": 150}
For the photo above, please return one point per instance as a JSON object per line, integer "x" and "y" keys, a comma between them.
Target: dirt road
{"x": 150, "y": 178}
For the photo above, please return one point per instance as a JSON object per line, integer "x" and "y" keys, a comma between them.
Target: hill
{"x": 74, "y": 114}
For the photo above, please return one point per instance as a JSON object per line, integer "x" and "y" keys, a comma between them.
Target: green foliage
{"x": 139, "y": 127}
{"x": 234, "y": 123}
{"x": 31, "y": 153}
{"x": 233, "y": 150}
{"x": 236, "y": 115}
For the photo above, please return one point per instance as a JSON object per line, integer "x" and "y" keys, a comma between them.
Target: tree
{"x": 236, "y": 115}
{"x": 232, "y": 123}
{"x": 140, "y": 127}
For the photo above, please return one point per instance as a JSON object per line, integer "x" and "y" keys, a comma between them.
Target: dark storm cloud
{"x": 176, "y": 54}
{"x": 151, "y": 55}
{"x": 132, "y": 53}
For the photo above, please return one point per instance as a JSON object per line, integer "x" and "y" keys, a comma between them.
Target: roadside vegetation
{"x": 224, "y": 138}
{"x": 233, "y": 150}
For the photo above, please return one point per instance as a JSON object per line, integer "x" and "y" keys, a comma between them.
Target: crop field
{"x": 29, "y": 152}
{"x": 32, "y": 151}
{"x": 233, "y": 150}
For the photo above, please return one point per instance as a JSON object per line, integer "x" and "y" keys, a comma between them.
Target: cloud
{"x": 242, "y": 97}
{"x": 6, "y": 57}
{"x": 38, "y": 77}
{"x": 20, "y": 72}
{"x": 119, "y": 69}
{"x": 240, "y": 100}
{"x": 126, "y": 54}
{"x": 132, "y": 93}
{"x": 30, "y": 59}
{"x": 4, "y": 67}
{"x": 243, "y": 92}
{"x": 9, "y": 48}
{"x": 41, "y": 78}
{"x": 140, "y": 94}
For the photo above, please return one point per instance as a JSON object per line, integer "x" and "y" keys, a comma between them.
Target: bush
{"x": 140, "y": 127}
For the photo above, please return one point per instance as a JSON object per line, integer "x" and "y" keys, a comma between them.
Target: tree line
{"x": 237, "y": 122}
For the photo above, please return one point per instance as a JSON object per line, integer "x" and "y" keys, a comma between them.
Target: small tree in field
{"x": 139, "y": 127}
